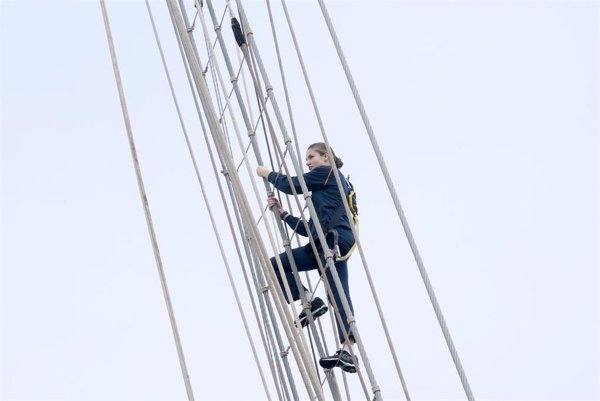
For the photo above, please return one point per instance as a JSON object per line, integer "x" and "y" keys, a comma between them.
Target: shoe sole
{"x": 349, "y": 368}
{"x": 332, "y": 363}
{"x": 329, "y": 363}
{"x": 315, "y": 314}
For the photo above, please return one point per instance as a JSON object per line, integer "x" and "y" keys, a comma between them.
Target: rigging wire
{"x": 327, "y": 253}
{"x": 142, "y": 191}
{"x": 306, "y": 305}
{"x": 237, "y": 184}
{"x": 228, "y": 66}
{"x": 252, "y": 62}
{"x": 283, "y": 79}
{"x": 207, "y": 202}
{"x": 344, "y": 200}
{"x": 235, "y": 210}
{"x": 394, "y": 195}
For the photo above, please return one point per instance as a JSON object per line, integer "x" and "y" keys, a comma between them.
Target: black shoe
{"x": 317, "y": 308}
{"x": 340, "y": 359}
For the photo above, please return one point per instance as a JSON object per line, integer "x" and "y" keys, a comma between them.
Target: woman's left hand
{"x": 263, "y": 171}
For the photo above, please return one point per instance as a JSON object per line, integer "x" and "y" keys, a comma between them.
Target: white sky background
{"x": 486, "y": 112}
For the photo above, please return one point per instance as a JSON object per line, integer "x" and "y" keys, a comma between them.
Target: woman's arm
{"x": 295, "y": 224}
{"x": 315, "y": 180}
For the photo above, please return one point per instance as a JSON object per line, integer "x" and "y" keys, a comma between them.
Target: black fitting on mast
{"x": 237, "y": 32}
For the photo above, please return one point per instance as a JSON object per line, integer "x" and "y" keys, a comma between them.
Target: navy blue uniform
{"x": 327, "y": 201}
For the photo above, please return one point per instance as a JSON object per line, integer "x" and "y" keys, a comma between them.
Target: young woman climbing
{"x": 328, "y": 204}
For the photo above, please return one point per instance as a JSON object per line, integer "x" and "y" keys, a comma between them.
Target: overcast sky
{"x": 487, "y": 113}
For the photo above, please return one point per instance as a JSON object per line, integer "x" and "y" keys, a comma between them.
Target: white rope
{"x": 209, "y": 209}
{"x": 245, "y": 209}
{"x": 347, "y": 210}
{"x": 333, "y": 383}
{"x": 327, "y": 253}
{"x": 329, "y": 291}
{"x": 228, "y": 106}
{"x": 224, "y": 51}
{"x": 280, "y": 267}
{"x": 338, "y": 316}
{"x": 236, "y": 129}
{"x": 283, "y": 80}
{"x": 217, "y": 29}
{"x": 142, "y": 191}
{"x": 384, "y": 169}
{"x": 240, "y": 59}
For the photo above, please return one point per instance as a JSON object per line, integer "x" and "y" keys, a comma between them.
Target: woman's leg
{"x": 342, "y": 271}
{"x": 304, "y": 261}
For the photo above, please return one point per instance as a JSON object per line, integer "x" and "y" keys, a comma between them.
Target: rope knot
{"x": 264, "y": 289}
{"x": 285, "y": 352}
{"x": 217, "y": 28}
{"x": 286, "y": 243}
{"x": 307, "y": 196}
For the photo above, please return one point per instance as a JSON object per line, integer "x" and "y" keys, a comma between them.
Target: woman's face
{"x": 314, "y": 159}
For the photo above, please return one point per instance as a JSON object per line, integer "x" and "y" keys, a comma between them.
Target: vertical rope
{"x": 142, "y": 191}
{"x": 308, "y": 374}
{"x": 283, "y": 79}
{"x": 209, "y": 209}
{"x": 400, "y": 211}
{"x": 345, "y": 205}
{"x": 256, "y": 150}
{"x": 240, "y": 101}
{"x": 327, "y": 253}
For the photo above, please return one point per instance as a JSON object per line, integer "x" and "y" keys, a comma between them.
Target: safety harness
{"x": 353, "y": 205}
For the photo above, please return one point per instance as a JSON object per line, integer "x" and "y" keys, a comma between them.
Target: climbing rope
{"x": 344, "y": 200}
{"x": 235, "y": 180}
{"x": 209, "y": 208}
{"x": 328, "y": 255}
{"x": 270, "y": 294}
{"x": 225, "y": 55}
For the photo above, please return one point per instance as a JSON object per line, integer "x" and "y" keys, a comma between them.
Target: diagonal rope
{"x": 210, "y": 113}
{"x": 295, "y": 136}
{"x": 209, "y": 209}
{"x": 315, "y": 334}
{"x": 327, "y": 252}
{"x": 344, "y": 200}
{"x": 331, "y": 378}
{"x": 234, "y": 120}
{"x": 394, "y": 195}
{"x": 258, "y": 156}
{"x": 328, "y": 255}
{"x": 142, "y": 190}
{"x": 240, "y": 59}
{"x": 256, "y": 276}
{"x": 283, "y": 79}
{"x": 262, "y": 107}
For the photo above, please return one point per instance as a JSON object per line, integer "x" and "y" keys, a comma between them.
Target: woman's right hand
{"x": 273, "y": 202}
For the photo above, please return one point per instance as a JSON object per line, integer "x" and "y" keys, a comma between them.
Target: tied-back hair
{"x": 321, "y": 148}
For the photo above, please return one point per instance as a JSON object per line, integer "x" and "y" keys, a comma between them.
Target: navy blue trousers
{"x": 305, "y": 260}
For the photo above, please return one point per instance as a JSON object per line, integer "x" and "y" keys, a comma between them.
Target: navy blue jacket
{"x": 326, "y": 199}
